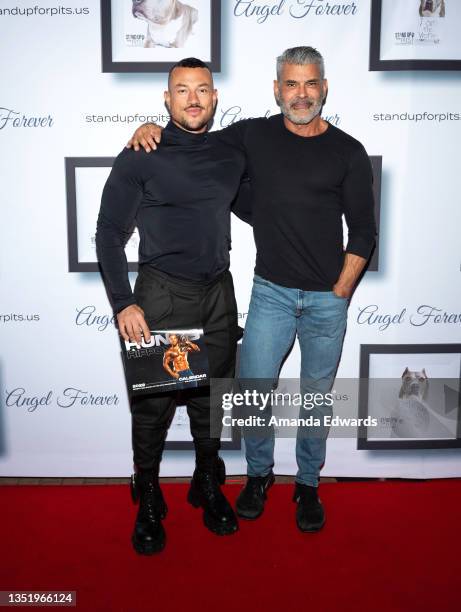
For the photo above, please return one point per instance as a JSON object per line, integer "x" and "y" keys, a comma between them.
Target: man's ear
{"x": 276, "y": 89}
{"x": 325, "y": 90}
{"x": 166, "y": 96}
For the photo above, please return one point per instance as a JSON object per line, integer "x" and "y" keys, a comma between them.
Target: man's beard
{"x": 190, "y": 127}
{"x": 293, "y": 116}
{"x": 183, "y": 122}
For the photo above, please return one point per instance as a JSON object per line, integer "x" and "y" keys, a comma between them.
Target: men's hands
{"x": 352, "y": 267}
{"x": 147, "y": 136}
{"x": 131, "y": 323}
{"x": 342, "y": 290}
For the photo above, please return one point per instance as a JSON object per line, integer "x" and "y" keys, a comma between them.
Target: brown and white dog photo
{"x": 169, "y": 22}
{"x": 432, "y": 8}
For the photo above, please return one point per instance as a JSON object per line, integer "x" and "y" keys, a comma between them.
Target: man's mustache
{"x": 194, "y": 106}
{"x": 304, "y": 101}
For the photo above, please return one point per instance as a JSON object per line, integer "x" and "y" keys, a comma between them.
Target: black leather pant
{"x": 172, "y": 303}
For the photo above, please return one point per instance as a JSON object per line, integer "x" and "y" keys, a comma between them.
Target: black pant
{"x": 172, "y": 303}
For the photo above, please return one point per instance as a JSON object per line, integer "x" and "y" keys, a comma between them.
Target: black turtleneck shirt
{"x": 180, "y": 198}
{"x": 300, "y": 189}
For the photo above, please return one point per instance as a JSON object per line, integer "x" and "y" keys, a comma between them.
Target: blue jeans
{"x": 276, "y": 316}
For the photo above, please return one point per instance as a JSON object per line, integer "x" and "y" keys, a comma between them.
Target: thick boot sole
{"x": 209, "y": 521}
{"x": 311, "y": 528}
{"x": 149, "y": 548}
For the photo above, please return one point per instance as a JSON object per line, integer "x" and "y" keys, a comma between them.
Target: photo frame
{"x": 81, "y": 224}
{"x": 415, "y": 35}
{"x": 412, "y": 393}
{"x": 132, "y": 40}
{"x": 180, "y": 439}
{"x": 85, "y": 179}
{"x": 376, "y": 166}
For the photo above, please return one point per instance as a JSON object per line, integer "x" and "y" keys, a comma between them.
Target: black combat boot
{"x": 135, "y": 491}
{"x": 251, "y": 499}
{"x": 148, "y": 535}
{"x": 205, "y": 492}
{"x": 310, "y": 515}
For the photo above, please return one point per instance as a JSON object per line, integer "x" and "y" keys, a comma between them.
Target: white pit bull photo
{"x": 169, "y": 22}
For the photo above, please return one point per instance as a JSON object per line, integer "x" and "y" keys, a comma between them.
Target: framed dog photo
{"x": 179, "y": 437}
{"x": 85, "y": 179}
{"x": 415, "y": 35}
{"x": 151, "y": 35}
{"x": 409, "y": 396}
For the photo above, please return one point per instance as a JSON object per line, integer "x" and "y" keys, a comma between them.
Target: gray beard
{"x": 296, "y": 119}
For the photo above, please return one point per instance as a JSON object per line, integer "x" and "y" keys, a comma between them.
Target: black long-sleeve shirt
{"x": 300, "y": 188}
{"x": 180, "y": 199}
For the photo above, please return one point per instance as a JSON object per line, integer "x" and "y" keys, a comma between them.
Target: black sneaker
{"x": 250, "y": 502}
{"x": 310, "y": 515}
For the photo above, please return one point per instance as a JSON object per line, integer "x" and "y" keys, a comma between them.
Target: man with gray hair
{"x": 305, "y": 174}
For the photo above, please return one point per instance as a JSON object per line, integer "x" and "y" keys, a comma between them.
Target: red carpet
{"x": 387, "y": 546}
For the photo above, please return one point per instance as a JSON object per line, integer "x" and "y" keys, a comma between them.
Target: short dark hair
{"x": 188, "y": 62}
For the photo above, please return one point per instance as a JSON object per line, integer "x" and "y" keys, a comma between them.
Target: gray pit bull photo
{"x": 414, "y": 384}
